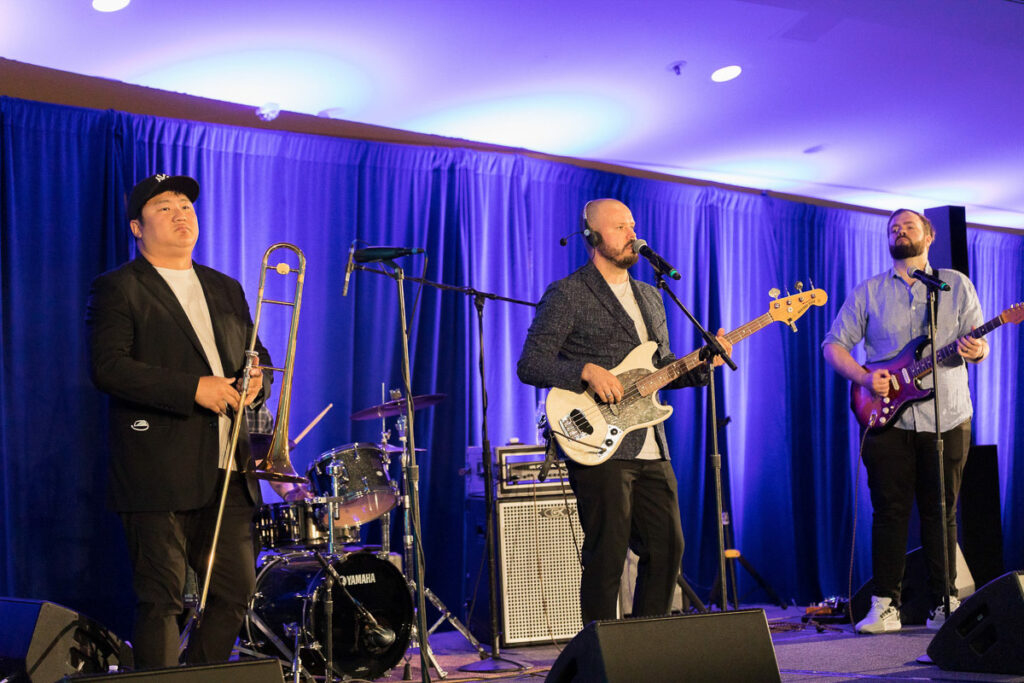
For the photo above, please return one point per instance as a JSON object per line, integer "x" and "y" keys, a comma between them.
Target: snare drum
{"x": 365, "y": 491}
{"x": 298, "y": 525}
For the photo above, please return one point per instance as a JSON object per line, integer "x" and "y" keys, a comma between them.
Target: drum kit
{"x": 313, "y": 557}
{"x": 325, "y": 604}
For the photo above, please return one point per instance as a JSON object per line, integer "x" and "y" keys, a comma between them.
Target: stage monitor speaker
{"x": 42, "y": 641}
{"x": 266, "y": 670}
{"x": 722, "y": 646}
{"x": 987, "y": 633}
{"x": 915, "y": 598}
{"x": 538, "y": 569}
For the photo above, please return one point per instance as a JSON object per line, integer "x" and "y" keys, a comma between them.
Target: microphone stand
{"x": 933, "y": 305}
{"x": 711, "y": 349}
{"x": 412, "y": 471}
{"x": 493, "y": 662}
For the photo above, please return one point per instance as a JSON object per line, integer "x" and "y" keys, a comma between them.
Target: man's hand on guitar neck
{"x": 605, "y": 385}
{"x": 972, "y": 349}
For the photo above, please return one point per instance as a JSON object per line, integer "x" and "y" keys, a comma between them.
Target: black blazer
{"x": 579, "y": 321}
{"x": 147, "y": 357}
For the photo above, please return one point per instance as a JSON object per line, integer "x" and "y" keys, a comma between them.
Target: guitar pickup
{"x": 575, "y": 424}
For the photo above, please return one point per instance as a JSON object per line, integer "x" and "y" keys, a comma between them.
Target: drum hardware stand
{"x": 385, "y": 519}
{"x": 711, "y": 349}
{"x": 446, "y": 614}
{"x": 495, "y": 662}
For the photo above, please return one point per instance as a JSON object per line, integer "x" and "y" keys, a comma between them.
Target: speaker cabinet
{"x": 42, "y": 641}
{"x": 987, "y": 633}
{"x": 981, "y": 518}
{"x": 538, "y": 569}
{"x": 723, "y": 646}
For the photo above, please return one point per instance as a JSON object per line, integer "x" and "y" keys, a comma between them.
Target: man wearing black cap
{"x": 167, "y": 340}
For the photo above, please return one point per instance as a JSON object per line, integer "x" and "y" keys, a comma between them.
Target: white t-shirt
{"x": 624, "y": 293}
{"x": 189, "y": 291}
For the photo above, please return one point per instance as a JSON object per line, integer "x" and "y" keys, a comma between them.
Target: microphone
{"x": 376, "y": 254}
{"x": 660, "y": 265}
{"x": 930, "y": 280}
{"x": 348, "y": 268}
{"x": 565, "y": 240}
{"x": 379, "y": 637}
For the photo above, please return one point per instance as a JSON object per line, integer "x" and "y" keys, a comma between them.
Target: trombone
{"x": 277, "y": 465}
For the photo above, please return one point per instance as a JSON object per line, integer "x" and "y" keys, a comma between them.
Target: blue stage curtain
{"x": 487, "y": 221}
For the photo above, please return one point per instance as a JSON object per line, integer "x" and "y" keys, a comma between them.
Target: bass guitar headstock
{"x": 792, "y": 306}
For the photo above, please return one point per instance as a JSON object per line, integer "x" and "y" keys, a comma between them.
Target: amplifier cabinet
{"x": 516, "y": 470}
{"x": 538, "y": 569}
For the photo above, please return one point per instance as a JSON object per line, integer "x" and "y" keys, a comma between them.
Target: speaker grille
{"x": 540, "y": 570}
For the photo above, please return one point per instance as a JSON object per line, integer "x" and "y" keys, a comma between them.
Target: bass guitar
{"x": 589, "y": 432}
{"x": 906, "y": 370}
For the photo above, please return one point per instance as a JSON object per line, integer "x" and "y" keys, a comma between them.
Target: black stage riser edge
{"x": 41, "y": 641}
{"x": 987, "y": 633}
{"x": 723, "y": 646}
{"x": 247, "y": 671}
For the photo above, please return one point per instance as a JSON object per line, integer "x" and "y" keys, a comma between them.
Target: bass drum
{"x": 290, "y": 592}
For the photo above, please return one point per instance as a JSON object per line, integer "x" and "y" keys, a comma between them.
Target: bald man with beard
{"x": 586, "y": 324}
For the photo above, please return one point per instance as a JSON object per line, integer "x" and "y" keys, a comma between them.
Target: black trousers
{"x": 161, "y": 543}
{"x": 627, "y": 504}
{"x": 902, "y": 465}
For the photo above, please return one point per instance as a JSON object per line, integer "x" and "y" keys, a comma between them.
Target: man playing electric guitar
{"x": 586, "y": 324}
{"x": 887, "y": 311}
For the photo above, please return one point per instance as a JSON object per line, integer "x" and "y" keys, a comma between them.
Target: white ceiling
{"x": 879, "y": 103}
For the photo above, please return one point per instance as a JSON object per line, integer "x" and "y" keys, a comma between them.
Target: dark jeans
{"x": 627, "y": 504}
{"x": 160, "y": 544}
{"x": 902, "y": 465}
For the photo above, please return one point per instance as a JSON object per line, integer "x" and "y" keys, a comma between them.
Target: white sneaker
{"x": 937, "y": 617}
{"x": 883, "y": 617}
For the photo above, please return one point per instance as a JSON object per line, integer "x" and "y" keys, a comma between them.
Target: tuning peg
{"x": 799, "y": 286}
{"x": 792, "y": 326}
{"x": 774, "y": 292}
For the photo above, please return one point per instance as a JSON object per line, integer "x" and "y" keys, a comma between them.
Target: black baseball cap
{"x": 146, "y": 189}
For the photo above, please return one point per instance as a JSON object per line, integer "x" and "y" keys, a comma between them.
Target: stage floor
{"x": 804, "y": 654}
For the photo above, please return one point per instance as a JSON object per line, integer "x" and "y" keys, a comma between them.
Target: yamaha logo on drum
{"x": 553, "y": 512}
{"x": 358, "y": 579}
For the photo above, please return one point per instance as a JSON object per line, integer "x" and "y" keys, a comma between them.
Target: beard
{"x": 906, "y": 249}
{"x": 625, "y": 258}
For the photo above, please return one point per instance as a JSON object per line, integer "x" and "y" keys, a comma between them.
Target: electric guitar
{"x": 906, "y": 370}
{"x": 589, "y": 432}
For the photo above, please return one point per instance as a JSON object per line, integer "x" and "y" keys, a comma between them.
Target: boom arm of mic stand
{"x": 713, "y": 347}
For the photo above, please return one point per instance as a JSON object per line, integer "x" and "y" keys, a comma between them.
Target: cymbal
{"x": 397, "y": 407}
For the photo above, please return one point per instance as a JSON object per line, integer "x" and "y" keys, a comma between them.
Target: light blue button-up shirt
{"x": 887, "y": 313}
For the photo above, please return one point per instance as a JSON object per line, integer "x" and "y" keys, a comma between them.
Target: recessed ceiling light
{"x": 726, "y": 73}
{"x": 109, "y": 5}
